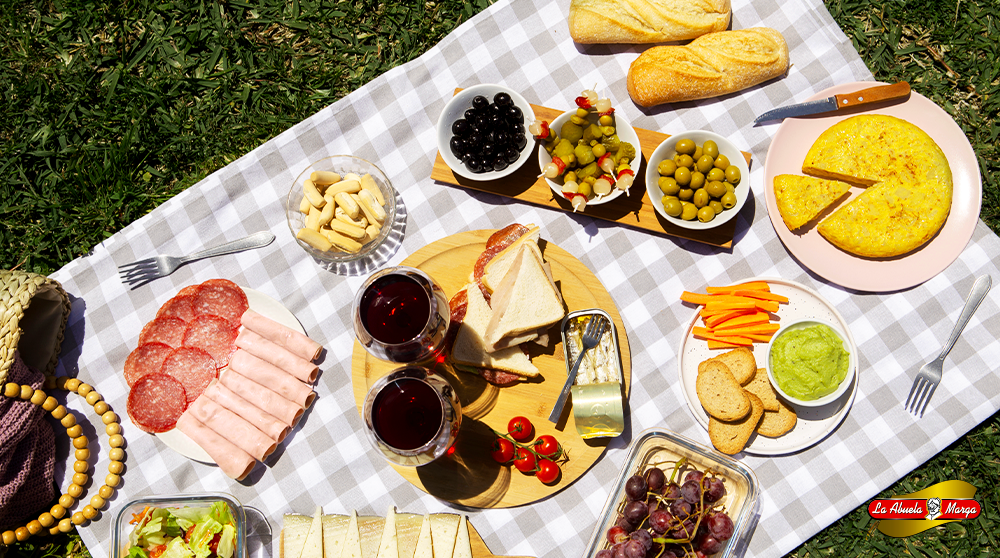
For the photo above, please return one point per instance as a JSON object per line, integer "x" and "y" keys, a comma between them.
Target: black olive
{"x": 522, "y": 141}
{"x": 474, "y": 139}
{"x": 472, "y": 162}
{"x": 458, "y": 147}
{"x": 511, "y": 154}
{"x": 479, "y": 102}
{"x": 502, "y": 138}
{"x": 502, "y": 99}
{"x": 514, "y": 113}
{"x": 460, "y": 127}
{"x": 488, "y": 148}
{"x": 484, "y": 164}
{"x": 470, "y": 114}
{"x": 500, "y": 163}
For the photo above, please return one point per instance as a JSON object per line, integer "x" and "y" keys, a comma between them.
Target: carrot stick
{"x": 751, "y": 286}
{"x": 716, "y": 319}
{"x": 740, "y": 321}
{"x": 764, "y": 328}
{"x": 702, "y": 333}
{"x": 767, "y": 305}
{"x": 761, "y": 337}
{"x": 716, "y": 344}
{"x": 763, "y": 295}
{"x": 725, "y": 305}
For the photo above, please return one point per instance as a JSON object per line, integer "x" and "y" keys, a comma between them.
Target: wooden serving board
{"x": 635, "y": 210}
{"x": 470, "y": 477}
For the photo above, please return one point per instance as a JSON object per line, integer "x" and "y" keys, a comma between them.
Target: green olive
{"x": 683, "y": 176}
{"x": 570, "y": 176}
{"x": 716, "y": 206}
{"x": 705, "y": 163}
{"x": 606, "y": 120}
{"x": 689, "y": 212}
{"x": 722, "y": 162}
{"x": 685, "y": 161}
{"x": 711, "y": 149}
{"x": 685, "y": 194}
{"x": 730, "y": 188}
{"x": 728, "y": 201}
{"x": 599, "y": 150}
{"x": 666, "y": 167}
{"x": 716, "y": 175}
{"x": 716, "y": 189}
{"x": 669, "y": 186}
{"x": 685, "y": 147}
{"x": 672, "y": 206}
{"x": 698, "y": 153}
{"x": 608, "y": 130}
{"x": 733, "y": 174}
{"x": 586, "y": 188}
{"x": 700, "y": 198}
{"x": 697, "y": 180}
{"x": 582, "y": 113}
{"x": 706, "y": 214}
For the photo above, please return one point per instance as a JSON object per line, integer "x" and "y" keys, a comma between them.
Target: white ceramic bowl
{"x": 455, "y": 109}
{"x": 625, "y": 133}
{"x": 667, "y": 150}
{"x": 852, "y": 364}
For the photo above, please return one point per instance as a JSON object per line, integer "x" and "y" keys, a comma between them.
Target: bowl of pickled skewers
{"x": 590, "y": 154}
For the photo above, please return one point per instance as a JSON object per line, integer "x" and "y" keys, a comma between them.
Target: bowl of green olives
{"x": 697, "y": 179}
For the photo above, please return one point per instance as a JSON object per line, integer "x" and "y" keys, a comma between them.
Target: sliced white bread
{"x": 496, "y": 269}
{"x": 469, "y": 348}
{"x": 526, "y": 301}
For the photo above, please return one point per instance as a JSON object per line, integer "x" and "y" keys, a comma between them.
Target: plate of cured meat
{"x": 221, "y": 374}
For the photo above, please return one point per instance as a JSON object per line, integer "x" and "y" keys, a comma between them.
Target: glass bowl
{"x": 342, "y": 164}
{"x": 852, "y": 364}
{"x": 122, "y": 528}
{"x": 655, "y": 447}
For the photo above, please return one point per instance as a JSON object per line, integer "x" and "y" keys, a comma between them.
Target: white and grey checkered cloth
{"x": 525, "y": 44}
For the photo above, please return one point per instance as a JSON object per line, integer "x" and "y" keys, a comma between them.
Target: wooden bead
{"x": 54, "y": 530}
{"x": 112, "y": 480}
{"x": 116, "y": 467}
{"x": 50, "y": 403}
{"x": 49, "y": 382}
{"x": 82, "y": 454}
{"x": 65, "y": 525}
{"x": 101, "y": 407}
{"x": 116, "y": 441}
{"x": 79, "y": 518}
{"x": 67, "y": 501}
{"x": 33, "y": 526}
{"x": 72, "y": 384}
{"x": 26, "y": 393}
{"x": 106, "y": 492}
{"x": 38, "y": 398}
{"x": 61, "y": 382}
{"x": 109, "y": 417}
{"x": 9, "y": 537}
{"x": 93, "y": 397}
{"x": 84, "y": 389}
{"x": 22, "y": 533}
{"x": 59, "y": 412}
{"x": 116, "y": 454}
{"x": 57, "y": 511}
{"x": 75, "y": 490}
{"x": 46, "y": 519}
{"x": 80, "y": 442}
{"x": 81, "y": 466}
{"x": 97, "y": 501}
{"x": 68, "y": 420}
{"x": 89, "y": 512}
{"x": 74, "y": 431}
{"x": 113, "y": 428}
{"x": 79, "y": 479}
{"x": 11, "y": 390}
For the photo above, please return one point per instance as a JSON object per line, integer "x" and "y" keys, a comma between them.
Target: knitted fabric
{"x": 27, "y": 452}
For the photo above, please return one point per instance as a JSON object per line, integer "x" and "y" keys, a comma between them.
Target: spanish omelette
{"x": 800, "y": 199}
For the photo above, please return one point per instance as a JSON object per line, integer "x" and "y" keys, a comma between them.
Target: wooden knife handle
{"x": 875, "y": 94}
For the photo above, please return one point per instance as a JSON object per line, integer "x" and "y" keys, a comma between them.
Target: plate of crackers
{"x": 768, "y": 425}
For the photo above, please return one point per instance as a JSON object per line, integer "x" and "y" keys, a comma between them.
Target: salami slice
{"x": 156, "y": 401}
{"x": 189, "y": 290}
{"x": 181, "y": 306}
{"x": 221, "y": 297}
{"x": 499, "y": 378}
{"x": 193, "y": 368}
{"x": 145, "y": 359}
{"x": 495, "y": 244}
{"x": 214, "y": 335}
{"x": 168, "y": 330}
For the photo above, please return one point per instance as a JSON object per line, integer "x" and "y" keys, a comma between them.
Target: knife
{"x": 843, "y": 101}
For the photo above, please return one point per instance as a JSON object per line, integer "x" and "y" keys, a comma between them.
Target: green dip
{"x": 810, "y": 362}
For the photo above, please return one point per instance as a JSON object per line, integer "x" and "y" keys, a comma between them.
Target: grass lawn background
{"x": 109, "y": 109}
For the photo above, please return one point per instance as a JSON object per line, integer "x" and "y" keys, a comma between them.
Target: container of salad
{"x": 181, "y": 526}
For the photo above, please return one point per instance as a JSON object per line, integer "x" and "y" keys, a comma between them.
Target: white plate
{"x": 814, "y": 423}
{"x": 265, "y": 306}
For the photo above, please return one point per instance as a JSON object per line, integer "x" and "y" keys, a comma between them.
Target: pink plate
{"x": 788, "y": 149}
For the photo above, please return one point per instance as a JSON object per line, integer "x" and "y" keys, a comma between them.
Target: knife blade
{"x": 877, "y": 94}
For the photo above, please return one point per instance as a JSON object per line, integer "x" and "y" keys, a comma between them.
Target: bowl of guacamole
{"x": 809, "y": 363}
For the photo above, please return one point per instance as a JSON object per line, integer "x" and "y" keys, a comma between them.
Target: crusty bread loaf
{"x": 645, "y": 21}
{"x": 720, "y": 394}
{"x": 711, "y": 65}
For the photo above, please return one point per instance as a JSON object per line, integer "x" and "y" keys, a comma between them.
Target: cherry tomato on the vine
{"x": 524, "y": 460}
{"x": 548, "y": 446}
{"x": 548, "y": 471}
{"x": 520, "y": 429}
{"x": 503, "y": 450}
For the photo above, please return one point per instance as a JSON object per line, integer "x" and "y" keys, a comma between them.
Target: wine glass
{"x": 401, "y": 315}
{"x": 412, "y": 416}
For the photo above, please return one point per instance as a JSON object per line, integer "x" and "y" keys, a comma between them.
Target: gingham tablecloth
{"x": 525, "y": 45}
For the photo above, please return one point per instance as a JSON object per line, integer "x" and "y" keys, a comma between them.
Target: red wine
{"x": 407, "y": 414}
{"x": 395, "y": 309}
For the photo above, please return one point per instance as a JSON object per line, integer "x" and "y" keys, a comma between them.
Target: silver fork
{"x": 929, "y": 375}
{"x": 141, "y": 272}
{"x": 591, "y": 337}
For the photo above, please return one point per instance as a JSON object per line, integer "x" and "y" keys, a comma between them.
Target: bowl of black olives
{"x": 482, "y": 132}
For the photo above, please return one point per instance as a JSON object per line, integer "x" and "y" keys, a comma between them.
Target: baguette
{"x": 711, "y": 65}
{"x": 645, "y": 21}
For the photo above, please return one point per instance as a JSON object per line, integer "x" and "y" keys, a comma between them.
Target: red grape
{"x": 604, "y": 553}
{"x": 691, "y": 491}
{"x": 635, "y": 512}
{"x": 616, "y": 535}
{"x": 625, "y": 524}
{"x": 720, "y": 525}
{"x": 706, "y": 543}
{"x": 655, "y": 479}
{"x": 643, "y": 536}
{"x": 635, "y": 549}
{"x": 672, "y": 490}
{"x": 695, "y": 476}
{"x": 660, "y": 521}
{"x": 714, "y": 489}
{"x": 635, "y": 488}
{"x": 680, "y": 508}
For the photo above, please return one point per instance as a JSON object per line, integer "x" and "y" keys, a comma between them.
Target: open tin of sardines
{"x": 597, "y": 394}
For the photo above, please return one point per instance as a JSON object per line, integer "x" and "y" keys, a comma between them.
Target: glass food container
{"x": 122, "y": 528}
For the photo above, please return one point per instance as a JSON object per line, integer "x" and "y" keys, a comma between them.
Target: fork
{"x": 143, "y": 271}
{"x": 929, "y": 375}
{"x": 591, "y": 337}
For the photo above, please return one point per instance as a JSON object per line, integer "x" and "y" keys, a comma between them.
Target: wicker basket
{"x": 35, "y": 308}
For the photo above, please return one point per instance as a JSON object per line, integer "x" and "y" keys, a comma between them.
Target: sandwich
{"x": 469, "y": 350}
{"x": 524, "y": 303}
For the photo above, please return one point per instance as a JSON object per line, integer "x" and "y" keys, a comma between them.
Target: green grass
{"x": 109, "y": 109}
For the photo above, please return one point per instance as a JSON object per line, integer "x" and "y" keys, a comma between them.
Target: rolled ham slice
{"x": 267, "y": 374}
{"x": 262, "y": 397}
{"x": 233, "y": 461}
{"x": 277, "y": 355}
{"x": 296, "y": 343}
{"x": 262, "y": 420}
{"x": 232, "y": 427}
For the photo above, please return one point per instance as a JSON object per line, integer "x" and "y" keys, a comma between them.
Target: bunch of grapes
{"x": 663, "y": 519}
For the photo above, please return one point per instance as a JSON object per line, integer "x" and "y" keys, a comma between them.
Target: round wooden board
{"x": 470, "y": 477}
